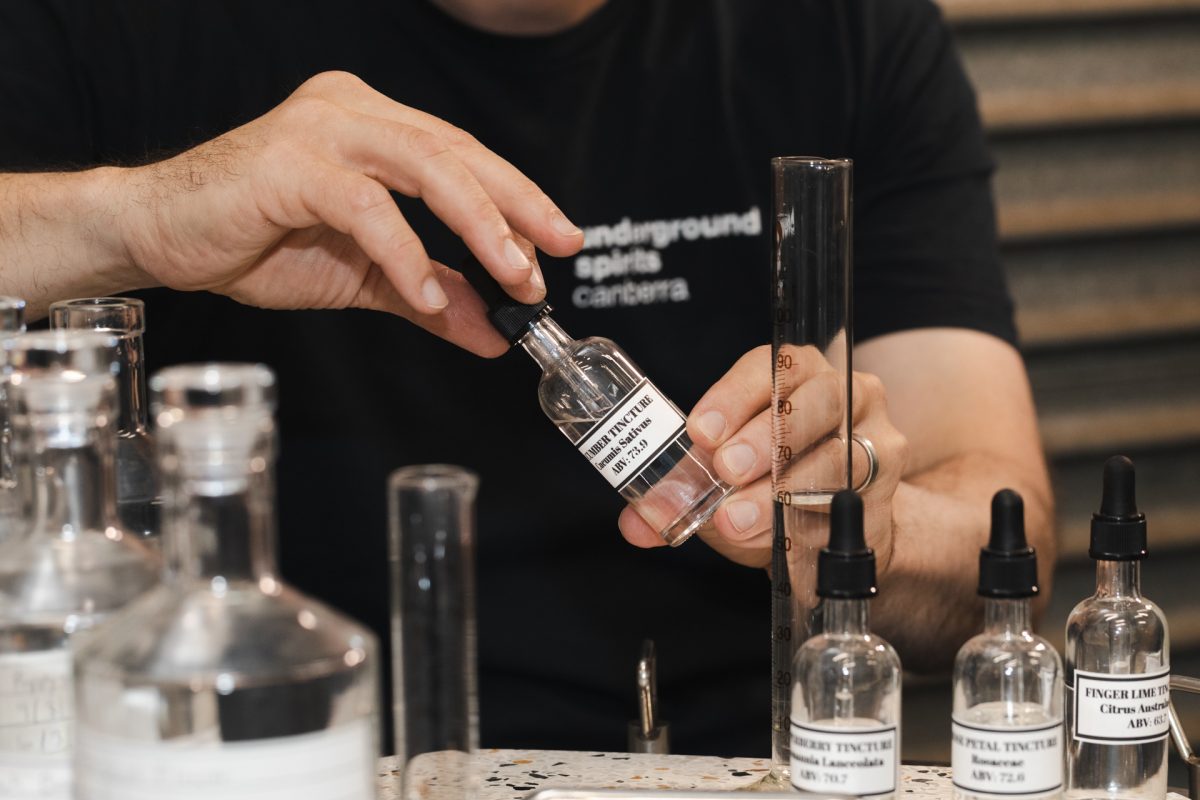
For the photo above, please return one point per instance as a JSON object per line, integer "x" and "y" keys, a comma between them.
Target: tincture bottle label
{"x": 632, "y": 435}
{"x": 1122, "y": 709}
{"x": 1007, "y": 761}
{"x": 35, "y": 725}
{"x": 314, "y": 766}
{"x": 859, "y": 761}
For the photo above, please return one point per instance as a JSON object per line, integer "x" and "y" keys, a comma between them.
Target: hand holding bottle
{"x": 733, "y": 419}
{"x": 293, "y": 210}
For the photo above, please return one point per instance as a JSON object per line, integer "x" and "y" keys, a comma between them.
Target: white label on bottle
{"x": 858, "y": 761}
{"x": 35, "y": 725}
{"x": 1122, "y": 709}
{"x": 632, "y": 435}
{"x": 337, "y": 764}
{"x": 988, "y": 759}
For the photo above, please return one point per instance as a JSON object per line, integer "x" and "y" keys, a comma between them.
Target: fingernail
{"x": 711, "y": 424}
{"x": 563, "y": 226}
{"x": 516, "y": 259}
{"x": 431, "y": 293}
{"x": 739, "y": 458}
{"x": 743, "y": 515}
{"x": 537, "y": 280}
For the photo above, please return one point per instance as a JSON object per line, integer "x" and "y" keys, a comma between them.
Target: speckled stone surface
{"x": 512, "y": 774}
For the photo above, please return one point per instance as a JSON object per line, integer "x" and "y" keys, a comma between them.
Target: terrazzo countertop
{"x": 513, "y": 774}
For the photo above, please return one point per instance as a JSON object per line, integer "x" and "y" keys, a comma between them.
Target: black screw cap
{"x": 846, "y": 568}
{"x": 1008, "y": 565}
{"x": 510, "y": 317}
{"x": 1118, "y": 528}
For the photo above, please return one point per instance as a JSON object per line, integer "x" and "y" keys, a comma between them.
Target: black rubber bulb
{"x": 846, "y": 536}
{"x": 1008, "y": 523}
{"x": 1120, "y": 499}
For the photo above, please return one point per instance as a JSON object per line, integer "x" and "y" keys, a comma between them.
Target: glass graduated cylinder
{"x": 637, "y": 438}
{"x": 1116, "y": 631}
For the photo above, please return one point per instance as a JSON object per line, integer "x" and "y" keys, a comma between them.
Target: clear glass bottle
{"x": 1007, "y": 720}
{"x": 846, "y": 680}
{"x": 223, "y": 681}
{"x": 613, "y": 415}
{"x": 1117, "y": 669}
{"x": 138, "y": 499}
{"x": 12, "y": 322}
{"x": 71, "y": 564}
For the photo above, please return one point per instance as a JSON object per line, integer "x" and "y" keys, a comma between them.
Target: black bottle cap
{"x": 846, "y": 568}
{"x": 1008, "y": 565}
{"x": 507, "y": 315}
{"x": 1118, "y": 528}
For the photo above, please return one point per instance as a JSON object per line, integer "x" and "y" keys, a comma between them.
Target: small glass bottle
{"x": 12, "y": 322}
{"x": 1117, "y": 670}
{"x": 1006, "y": 737}
{"x": 137, "y": 480}
{"x": 224, "y": 682}
{"x": 846, "y": 680}
{"x": 71, "y": 564}
{"x": 613, "y": 415}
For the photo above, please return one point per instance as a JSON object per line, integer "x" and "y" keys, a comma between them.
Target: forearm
{"x": 941, "y": 518}
{"x": 61, "y": 236}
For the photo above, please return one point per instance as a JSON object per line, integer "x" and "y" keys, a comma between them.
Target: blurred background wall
{"x": 1093, "y": 108}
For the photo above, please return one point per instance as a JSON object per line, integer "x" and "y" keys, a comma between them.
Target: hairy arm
{"x": 962, "y": 400}
{"x": 60, "y": 237}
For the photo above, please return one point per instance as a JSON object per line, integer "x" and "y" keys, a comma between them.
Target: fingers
{"x": 519, "y": 199}
{"x": 419, "y": 164}
{"x": 362, "y": 208}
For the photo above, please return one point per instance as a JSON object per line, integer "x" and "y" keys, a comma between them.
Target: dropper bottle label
{"x": 631, "y": 436}
{"x": 1124, "y": 709}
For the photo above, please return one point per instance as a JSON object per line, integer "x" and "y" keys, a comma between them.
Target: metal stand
{"x": 1191, "y": 685}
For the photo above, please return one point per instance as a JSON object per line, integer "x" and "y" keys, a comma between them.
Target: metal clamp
{"x": 1192, "y": 686}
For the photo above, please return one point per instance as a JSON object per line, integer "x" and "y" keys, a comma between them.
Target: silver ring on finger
{"x": 872, "y": 461}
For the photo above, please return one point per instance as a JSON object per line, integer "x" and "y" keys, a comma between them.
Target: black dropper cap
{"x": 846, "y": 568}
{"x": 1118, "y": 528}
{"x": 1008, "y": 565}
{"x": 510, "y": 317}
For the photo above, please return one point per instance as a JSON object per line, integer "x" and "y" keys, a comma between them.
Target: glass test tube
{"x": 431, "y": 509}
{"x": 138, "y": 500}
{"x": 811, "y": 323}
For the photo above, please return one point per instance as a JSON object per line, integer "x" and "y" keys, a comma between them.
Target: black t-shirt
{"x": 663, "y": 112}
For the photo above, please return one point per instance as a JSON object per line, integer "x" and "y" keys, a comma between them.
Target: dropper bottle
{"x": 846, "y": 685}
{"x": 613, "y": 415}
{"x": 1117, "y": 661}
{"x": 1007, "y": 720}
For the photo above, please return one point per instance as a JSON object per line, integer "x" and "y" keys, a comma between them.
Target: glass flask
{"x": 71, "y": 564}
{"x": 432, "y": 545}
{"x": 223, "y": 681}
{"x": 1006, "y": 737}
{"x": 845, "y": 722}
{"x": 811, "y": 338}
{"x": 613, "y": 415}
{"x": 138, "y": 499}
{"x": 12, "y": 322}
{"x": 1117, "y": 670}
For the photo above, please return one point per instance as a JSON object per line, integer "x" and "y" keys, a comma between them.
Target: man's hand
{"x": 293, "y": 210}
{"x": 957, "y": 424}
{"x": 733, "y": 420}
